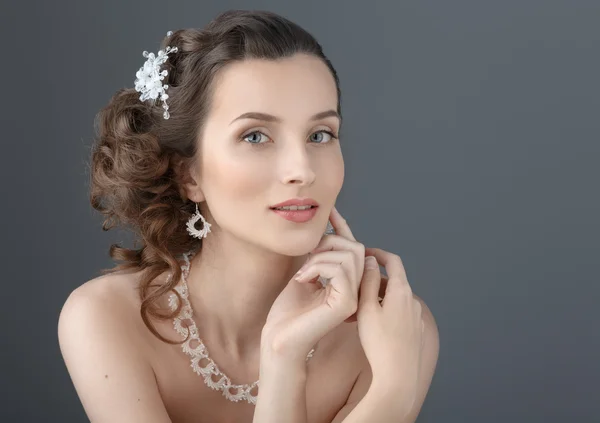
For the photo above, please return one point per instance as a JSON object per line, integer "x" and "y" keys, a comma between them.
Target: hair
{"x": 139, "y": 158}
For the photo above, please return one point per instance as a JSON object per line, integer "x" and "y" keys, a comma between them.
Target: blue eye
{"x": 252, "y": 134}
{"x": 329, "y": 134}
{"x": 258, "y": 133}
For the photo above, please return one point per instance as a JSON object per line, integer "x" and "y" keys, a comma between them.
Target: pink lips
{"x": 298, "y": 216}
{"x": 297, "y": 202}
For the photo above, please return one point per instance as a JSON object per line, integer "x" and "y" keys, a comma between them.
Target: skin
{"x": 125, "y": 374}
{"x": 292, "y": 159}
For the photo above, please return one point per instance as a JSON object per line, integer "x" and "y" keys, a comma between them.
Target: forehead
{"x": 298, "y": 86}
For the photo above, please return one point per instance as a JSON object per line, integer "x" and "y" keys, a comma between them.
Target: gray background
{"x": 471, "y": 148}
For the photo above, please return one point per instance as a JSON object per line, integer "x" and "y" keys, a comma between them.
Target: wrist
{"x": 282, "y": 355}
{"x": 275, "y": 365}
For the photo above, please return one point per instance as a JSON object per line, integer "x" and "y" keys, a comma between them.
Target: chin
{"x": 294, "y": 249}
{"x": 294, "y": 246}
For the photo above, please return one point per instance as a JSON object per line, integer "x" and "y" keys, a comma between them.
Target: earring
{"x": 191, "y": 225}
{"x": 329, "y": 230}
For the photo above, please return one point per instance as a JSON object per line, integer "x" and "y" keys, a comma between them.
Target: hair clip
{"x": 149, "y": 77}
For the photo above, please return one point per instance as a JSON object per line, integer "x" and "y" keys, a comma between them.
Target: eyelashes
{"x": 263, "y": 144}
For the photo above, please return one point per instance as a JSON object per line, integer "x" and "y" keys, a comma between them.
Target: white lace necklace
{"x": 232, "y": 392}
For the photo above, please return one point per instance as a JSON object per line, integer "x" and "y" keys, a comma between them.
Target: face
{"x": 248, "y": 164}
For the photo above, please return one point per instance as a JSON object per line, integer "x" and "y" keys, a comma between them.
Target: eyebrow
{"x": 270, "y": 118}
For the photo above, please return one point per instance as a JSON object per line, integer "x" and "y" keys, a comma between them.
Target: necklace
{"x": 233, "y": 392}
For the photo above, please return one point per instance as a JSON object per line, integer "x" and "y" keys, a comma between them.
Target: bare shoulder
{"x": 111, "y": 298}
{"x": 116, "y": 286}
{"x": 101, "y": 349}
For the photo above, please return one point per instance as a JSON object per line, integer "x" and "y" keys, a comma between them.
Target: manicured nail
{"x": 371, "y": 262}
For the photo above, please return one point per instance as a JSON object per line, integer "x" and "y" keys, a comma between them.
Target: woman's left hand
{"x": 391, "y": 331}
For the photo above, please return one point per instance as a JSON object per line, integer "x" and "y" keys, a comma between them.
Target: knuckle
{"x": 352, "y": 305}
{"x": 361, "y": 247}
{"x": 339, "y": 270}
{"x": 418, "y": 306}
{"x": 396, "y": 258}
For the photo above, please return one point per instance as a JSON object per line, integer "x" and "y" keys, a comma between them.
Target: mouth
{"x": 293, "y": 209}
{"x": 297, "y": 215}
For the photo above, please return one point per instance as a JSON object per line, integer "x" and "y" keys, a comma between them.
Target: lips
{"x": 297, "y": 202}
{"x": 298, "y": 216}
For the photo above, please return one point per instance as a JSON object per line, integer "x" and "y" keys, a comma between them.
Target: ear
{"x": 188, "y": 181}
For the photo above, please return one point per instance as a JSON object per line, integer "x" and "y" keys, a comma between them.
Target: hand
{"x": 305, "y": 311}
{"x": 391, "y": 332}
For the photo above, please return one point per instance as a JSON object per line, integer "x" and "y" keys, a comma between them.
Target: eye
{"x": 326, "y": 133}
{"x": 254, "y": 137}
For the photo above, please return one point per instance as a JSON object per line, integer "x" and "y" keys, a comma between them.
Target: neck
{"x": 232, "y": 285}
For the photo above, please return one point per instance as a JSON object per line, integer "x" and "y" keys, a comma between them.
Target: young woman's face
{"x": 248, "y": 164}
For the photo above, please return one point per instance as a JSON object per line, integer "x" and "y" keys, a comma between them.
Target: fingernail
{"x": 371, "y": 262}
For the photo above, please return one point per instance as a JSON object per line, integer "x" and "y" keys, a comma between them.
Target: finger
{"x": 369, "y": 285}
{"x": 397, "y": 281}
{"x": 382, "y": 287}
{"x": 340, "y": 284}
{"x": 380, "y": 297}
{"x": 337, "y": 242}
{"x": 340, "y": 225}
{"x": 345, "y": 257}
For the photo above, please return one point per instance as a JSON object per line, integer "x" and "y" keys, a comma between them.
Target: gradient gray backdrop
{"x": 471, "y": 149}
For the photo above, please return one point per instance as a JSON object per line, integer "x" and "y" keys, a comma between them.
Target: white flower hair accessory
{"x": 149, "y": 78}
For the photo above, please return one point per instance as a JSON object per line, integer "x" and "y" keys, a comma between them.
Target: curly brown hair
{"x": 139, "y": 158}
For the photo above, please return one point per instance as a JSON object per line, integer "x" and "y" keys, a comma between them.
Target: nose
{"x": 296, "y": 167}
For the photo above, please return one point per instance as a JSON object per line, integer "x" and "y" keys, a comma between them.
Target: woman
{"x": 232, "y": 121}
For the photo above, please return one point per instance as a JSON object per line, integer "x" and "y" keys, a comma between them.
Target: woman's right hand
{"x": 306, "y": 310}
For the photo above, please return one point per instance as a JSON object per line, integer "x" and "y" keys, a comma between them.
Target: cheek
{"x": 332, "y": 173}
{"x": 236, "y": 180}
